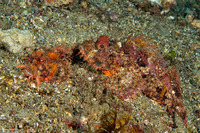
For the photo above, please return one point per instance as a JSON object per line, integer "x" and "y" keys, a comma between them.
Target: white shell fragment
{"x": 16, "y": 40}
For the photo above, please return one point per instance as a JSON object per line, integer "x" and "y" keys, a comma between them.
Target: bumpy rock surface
{"x": 16, "y": 40}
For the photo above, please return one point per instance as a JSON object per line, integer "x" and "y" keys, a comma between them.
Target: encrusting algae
{"x": 113, "y": 122}
{"x": 130, "y": 69}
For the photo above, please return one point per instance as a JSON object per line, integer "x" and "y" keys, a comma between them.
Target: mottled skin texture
{"x": 133, "y": 69}
{"x": 51, "y": 65}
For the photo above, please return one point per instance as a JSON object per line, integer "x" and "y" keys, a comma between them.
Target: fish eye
{"x": 101, "y": 46}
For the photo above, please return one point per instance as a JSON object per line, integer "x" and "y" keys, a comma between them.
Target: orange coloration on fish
{"x": 139, "y": 71}
{"x": 131, "y": 68}
{"x": 53, "y": 56}
{"x": 44, "y": 66}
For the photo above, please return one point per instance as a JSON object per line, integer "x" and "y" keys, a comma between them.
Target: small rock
{"x": 16, "y": 40}
{"x": 196, "y": 22}
{"x": 171, "y": 17}
{"x": 58, "y": 3}
{"x": 189, "y": 18}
